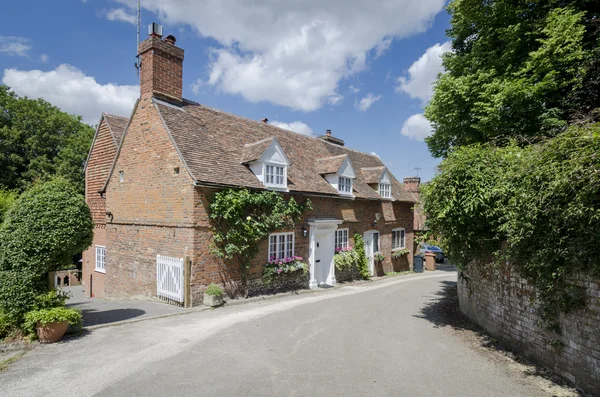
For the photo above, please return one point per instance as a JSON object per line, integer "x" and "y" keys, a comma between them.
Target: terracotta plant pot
{"x": 51, "y": 332}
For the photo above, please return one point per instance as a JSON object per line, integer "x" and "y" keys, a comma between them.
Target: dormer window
{"x": 275, "y": 175}
{"x": 385, "y": 190}
{"x": 338, "y": 171}
{"x": 268, "y": 162}
{"x": 380, "y": 180}
{"x": 345, "y": 185}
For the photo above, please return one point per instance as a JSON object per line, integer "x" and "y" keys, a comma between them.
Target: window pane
{"x": 375, "y": 242}
{"x": 402, "y": 239}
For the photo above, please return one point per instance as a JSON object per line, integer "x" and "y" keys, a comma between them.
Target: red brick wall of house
{"x": 358, "y": 217}
{"x": 152, "y": 209}
{"x": 100, "y": 160}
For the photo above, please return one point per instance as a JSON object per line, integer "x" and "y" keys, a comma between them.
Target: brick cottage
{"x": 149, "y": 181}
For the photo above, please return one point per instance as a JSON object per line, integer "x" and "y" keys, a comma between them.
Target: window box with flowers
{"x": 399, "y": 253}
{"x": 283, "y": 274}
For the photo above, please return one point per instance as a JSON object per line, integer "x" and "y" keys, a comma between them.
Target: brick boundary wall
{"x": 504, "y": 304}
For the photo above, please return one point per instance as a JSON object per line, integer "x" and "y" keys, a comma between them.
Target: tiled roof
{"x": 213, "y": 143}
{"x": 116, "y": 125}
{"x": 372, "y": 174}
{"x": 253, "y": 151}
{"x": 330, "y": 165}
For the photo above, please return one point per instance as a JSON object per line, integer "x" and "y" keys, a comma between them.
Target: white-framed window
{"x": 398, "y": 238}
{"x": 100, "y": 259}
{"x": 281, "y": 245}
{"x": 385, "y": 190}
{"x": 275, "y": 175}
{"x": 341, "y": 239}
{"x": 345, "y": 185}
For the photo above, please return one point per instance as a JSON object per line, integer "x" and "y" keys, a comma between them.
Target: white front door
{"x": 371, "y": 246}
{"x": 323, "y": 256}
{"x": 322, "y": 243}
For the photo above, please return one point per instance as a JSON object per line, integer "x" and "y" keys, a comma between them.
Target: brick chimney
{"x": 413, "y": 184}
{"x": 329, "y": 138}
{"x": 161, "y": 72}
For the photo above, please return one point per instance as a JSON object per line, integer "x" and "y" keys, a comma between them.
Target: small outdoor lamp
{"x": 304, "y": 232}
{"x": 377, "y": 218}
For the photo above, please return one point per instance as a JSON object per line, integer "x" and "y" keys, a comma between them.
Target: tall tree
{"x": 38, "y": 141}
{"x": 518, "y": 69}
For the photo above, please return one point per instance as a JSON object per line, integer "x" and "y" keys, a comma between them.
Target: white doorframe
{"x": 328, "y": 227}
{"x": 368, "y": 238}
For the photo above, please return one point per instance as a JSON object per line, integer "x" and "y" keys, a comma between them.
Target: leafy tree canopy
{"x": 38, "y": 141}
{"x": 518, "y": 69}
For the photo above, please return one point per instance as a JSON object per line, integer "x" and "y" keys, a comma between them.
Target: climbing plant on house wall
{"x": 243, "y": 218}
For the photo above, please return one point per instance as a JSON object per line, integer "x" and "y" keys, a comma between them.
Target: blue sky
{"x": 361, "y": 70}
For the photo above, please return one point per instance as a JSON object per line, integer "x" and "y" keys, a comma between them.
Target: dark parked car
{"x": 439, "y": 254}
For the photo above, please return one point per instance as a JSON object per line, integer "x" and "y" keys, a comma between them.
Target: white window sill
{"x": 398, "y": 249}
{"x": 100, "y": 271}
{"x": 277, "y": 188}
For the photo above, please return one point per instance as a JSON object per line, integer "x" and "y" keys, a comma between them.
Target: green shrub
{"x": 214, "y": 290}
{"x": 345, "y": 259}
{"x": 18, "y": 294}
{"x": 54, "y": 315}
{"x": 362, "y": 262}
{"x": 7, "y": 200}
{"x": 50, "y": 299}
{"x": 6, "y": 325}
{"x": 537, "y": 207}
{"x": 46, "y": 226}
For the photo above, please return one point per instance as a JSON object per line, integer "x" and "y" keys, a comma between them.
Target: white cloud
{"x": 423, "y": 72}
{"x": 367, "y": 102}
{"x": 44, "y": 58}
{"x": 119, "y": 14}
{"x": 13, "y": 45}
{"x": 293, "y": 53}
{"x": 334, "y": 99}
{"x": 416, "y": 127}
{"x": 296, "y": 126}
{"x": 353, "y": 89}
{"x": 71, "y": 90}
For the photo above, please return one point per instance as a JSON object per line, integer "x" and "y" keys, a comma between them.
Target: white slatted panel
{"x": 169, "y": 277}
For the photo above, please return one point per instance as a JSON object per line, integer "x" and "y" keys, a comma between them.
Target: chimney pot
{"x": 328, "y": 132}
{"x": 170, "y": 39}
{"x": 265, "y": 120}
{"x": 155, "y": 30}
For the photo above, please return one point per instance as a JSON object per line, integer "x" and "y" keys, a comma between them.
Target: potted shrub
{"x": 378, "y": 256}
{"x": 213, "y": 296}
{"x": 51, "y": 324}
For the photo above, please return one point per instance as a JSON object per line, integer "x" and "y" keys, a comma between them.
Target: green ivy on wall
{"x": 243, "y": 218}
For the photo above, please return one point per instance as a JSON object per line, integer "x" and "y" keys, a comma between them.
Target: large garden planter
{"x": 51, "y": 332}
{"x": 213, "y": 300}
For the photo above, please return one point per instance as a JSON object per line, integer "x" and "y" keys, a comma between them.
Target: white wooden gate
{"x": 169, "y": 277}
